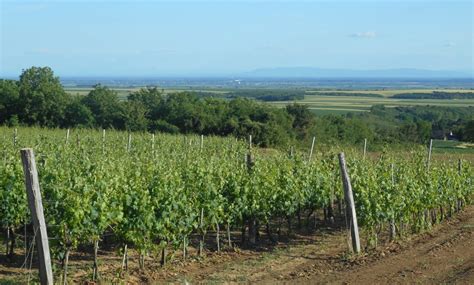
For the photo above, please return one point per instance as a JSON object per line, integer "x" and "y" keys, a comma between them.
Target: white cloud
{"x": 364, "y": 35}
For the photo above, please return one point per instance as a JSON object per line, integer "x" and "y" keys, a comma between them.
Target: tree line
{"x": 435, "y": 95}
{"x": 39, "y": 99}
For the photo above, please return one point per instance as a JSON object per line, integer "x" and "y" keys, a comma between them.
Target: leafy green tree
{"x": 468, "y": 131}
{"x": 106, "y": 107}
{"x": 42, "y": 99}
{"x": 136, "y": 116}
{"x": 303, "y": 119}
{"x": 9, "y": 95}
{"x": 77, "y": 115}
{"x": 163, "y": 126}
{"x": 151, "y": 98}
{"x": 184, "y": 110}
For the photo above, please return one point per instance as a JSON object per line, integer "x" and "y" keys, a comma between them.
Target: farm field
{"x": 179, "y": 201}
{"x": 390, "y": 92}
{"x": 325, "y": 104}
{"x": 346, "y": 104}
{"x": 124, "y": 92}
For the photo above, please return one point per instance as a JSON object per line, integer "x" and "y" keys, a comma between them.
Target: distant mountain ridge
{"x": 313, "y": 72}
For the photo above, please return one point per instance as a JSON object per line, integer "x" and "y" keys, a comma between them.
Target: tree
{"x": 42, "y": 99}
{"x": 105, "y": 106}
{"x": 151, "y": 98}
{"x": 77, "y": 115}
{"x": 303, "y": 119}
{"x": 9, "y": 95}
{"x": 468, "y": 131}
{"x": 136, "y": 116}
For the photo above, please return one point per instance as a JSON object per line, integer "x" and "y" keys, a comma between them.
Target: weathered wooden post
{"x": 312, "y": 147}
{"x": 67, "y": 136}
{"x": 252, "y": 221}
{"x": 428, "y": 164}
{"x": 365, "y": 147}
{"x": 459, "y": 201}
{"x": 103, "y": 140}
{"x": 350, "y": 206}
{"x": 203, "y": 235}
{"x": 153, "y": 142}
{"x": 15, "y": 136}
{"x": 129, "y": 144}
{"x": 36, "y": 208}
{"x": 202, "y": 142}
{"x": 249, "y": 157}
{"x": 392, "y": 219}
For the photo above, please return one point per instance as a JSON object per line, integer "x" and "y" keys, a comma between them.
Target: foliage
{"x": 39, "y": 99}
{"x": 151, "y": 193}
{"x": 435, "y": 95}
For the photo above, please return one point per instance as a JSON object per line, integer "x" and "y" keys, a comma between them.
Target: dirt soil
{"x": 444, "y": 255}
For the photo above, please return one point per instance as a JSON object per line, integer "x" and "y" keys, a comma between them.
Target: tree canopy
{"x": 38, "y": 98}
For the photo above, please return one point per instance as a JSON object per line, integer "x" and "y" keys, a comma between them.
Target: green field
{"x": 440, "y": 146}
{"x": 390, "y": 92}
{"x": 124, "y": 92}
{"x": 325, "y": 104}
{"x": 345, "y": 104}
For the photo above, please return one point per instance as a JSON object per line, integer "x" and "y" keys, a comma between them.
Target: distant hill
{"x": 312, "y": 72}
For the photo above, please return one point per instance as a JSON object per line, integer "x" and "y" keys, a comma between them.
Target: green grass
{"x": 441, "y": 146}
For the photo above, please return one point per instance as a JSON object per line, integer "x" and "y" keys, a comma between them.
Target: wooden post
{"x": 249, "y": 158}
{"x": 312, "y": 147}
{"x": 218, "y": 237}
{"x": 125, "y": 258}
{"x": 103, "y": 140}
{"x": 350, "y": 206}
{"x": 459, "y": 202}
{"x": 429, "y": 155}
{"x": 393, "y": 230}
{"x": 229, "y": 242}
{"x": 152, "y": 142}
{"x": 129, "y": 145}
{"x": 67, "y": 136}
{"x": 365, "y": 147}
{"x": 184, "y": 248}
{"x": 202, "y": 142}
{"x": 15, "y": 136}
{"x": 201, "y": 228}
{"x": 36, "y": 208}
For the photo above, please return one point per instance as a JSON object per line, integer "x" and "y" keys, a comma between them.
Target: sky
{"x": 195, "y": 38}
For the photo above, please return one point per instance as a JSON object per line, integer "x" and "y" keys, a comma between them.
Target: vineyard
{"x": 160, "y": 195}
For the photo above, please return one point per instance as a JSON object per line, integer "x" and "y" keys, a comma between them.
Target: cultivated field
{"x": 390, "y": 92}
{"x": 138, "y": 207}
{"x": 326, "y": 104}
{"x": 345, "y": 104}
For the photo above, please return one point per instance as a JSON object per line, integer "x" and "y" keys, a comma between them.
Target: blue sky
{"x": 158, "y": 38}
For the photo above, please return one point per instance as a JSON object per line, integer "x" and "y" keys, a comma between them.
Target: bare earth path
{"x": 444, "y": 255}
